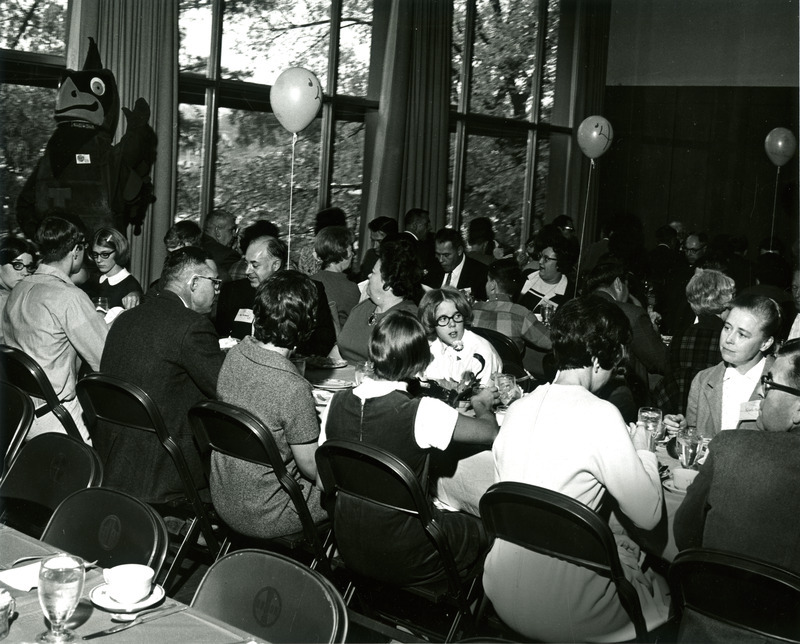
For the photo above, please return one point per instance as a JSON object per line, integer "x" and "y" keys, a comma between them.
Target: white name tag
{"x": 749, "y": 410}
{"x": 244, "y": 315}
{"x": 83, "y": 159}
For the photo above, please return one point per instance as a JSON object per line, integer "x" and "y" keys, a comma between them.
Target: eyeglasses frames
{"x": 104, "y": 254}
{"x": 214, "y": 280}
{"x": 768, "y": 383}
{"x": 444, "y": 320}
{"x": 20, "y": 266}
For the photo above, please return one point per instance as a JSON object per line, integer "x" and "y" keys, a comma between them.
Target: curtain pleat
{"x": 138, "y": 41}
{"x": 409, "y": 166}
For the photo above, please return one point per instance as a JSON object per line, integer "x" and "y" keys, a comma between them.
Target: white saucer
{"x": 669, "y": 484}
{"x": 99, "y": 597}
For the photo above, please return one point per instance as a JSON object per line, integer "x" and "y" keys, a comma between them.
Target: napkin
{"x": 24, "y": 578}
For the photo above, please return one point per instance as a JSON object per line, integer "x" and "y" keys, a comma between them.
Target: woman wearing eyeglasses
{"x": 550, "y": 284}
{"x": 445, "y": 312}
{"x": 16, "y": 261}
{"x": 113, "y": 281}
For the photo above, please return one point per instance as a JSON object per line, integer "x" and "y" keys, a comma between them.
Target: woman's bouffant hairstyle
{"x": 710, "y": 292}
{"x": 430, "y": 303}
{"x": 285, "y": 309}
{"x": 400, "y": 269}
{"x": 114, "y": 240}
{"x": 586, "y": 328}
{"x": 333, "y": 244}
{"x": 764, "y": 308}
{"x": 398, "y": 347}
{"x": 12, "y": 247}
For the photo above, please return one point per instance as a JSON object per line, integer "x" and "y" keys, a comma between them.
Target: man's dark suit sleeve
{"x": 647, "y": 345}
{"x": 324, "y": 336}
{"x": 690, "y": 519}
{"x": 202, "y": 356}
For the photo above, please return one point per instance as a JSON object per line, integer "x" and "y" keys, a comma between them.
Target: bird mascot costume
{"x": 81, "y": 171}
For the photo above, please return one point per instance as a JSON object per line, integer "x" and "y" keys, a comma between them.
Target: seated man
{"x": 168, "y": 347}
{"x": 745, "y": 497}
{"x": 54, "y": 321}
{"x": 459, "y": 270}
{"x": 220, "y": 229}
{"x": 265, "y": 256}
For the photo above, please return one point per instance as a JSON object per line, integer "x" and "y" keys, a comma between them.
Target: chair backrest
{"x": 556, "y": 525}
{"x": 47, "y": 469}
{"x": 231, "y": 430}
{"x": 743, "y": 593}
{"x": 16, "y": 408}
{"x": 272, "y": 597}
{"x": 108, "y": 526}
{"x": 114, "y": 400}
{"x": 506, "y": 349}
{"x": 376, "y": 476}
{"x": 21, "y": 370}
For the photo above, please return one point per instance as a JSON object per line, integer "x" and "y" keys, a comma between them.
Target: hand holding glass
{"x": 688, "y": 443}
{"x": 650, "y": 418}
{"x": 60, "y": 586}
{"x": 506, "y": 388}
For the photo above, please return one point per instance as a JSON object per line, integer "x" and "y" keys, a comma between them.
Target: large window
{"x": 32, "y": 37}
{"x": 504, "y": 63}
{"x": 233, "y": 152}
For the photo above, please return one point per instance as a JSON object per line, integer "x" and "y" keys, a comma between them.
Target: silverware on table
{"x": 139, "y": 620}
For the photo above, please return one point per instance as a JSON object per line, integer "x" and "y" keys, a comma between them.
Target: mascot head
{"x": 90, "y": 96}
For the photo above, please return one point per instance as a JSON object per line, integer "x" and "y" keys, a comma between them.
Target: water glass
{"x": 547, "y": 310}
{"x": 651, "y": 419}
{"x": 506, "y": 388}
{"x": 100, "y": 304}
{"x": 689, "y": 442}
{"x": 61, "y": 580}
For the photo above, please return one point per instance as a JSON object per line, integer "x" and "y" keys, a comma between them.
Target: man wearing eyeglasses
{"x": 167, "y": 346}
{"x": 745, "y": 498}
{"x": 55, "y": 322}
{"x": 217, "y": 241}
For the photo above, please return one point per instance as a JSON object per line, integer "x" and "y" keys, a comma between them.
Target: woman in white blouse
{"x": 564, "y": 438}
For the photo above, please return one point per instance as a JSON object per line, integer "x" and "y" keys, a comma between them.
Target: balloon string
{"x": 291, "y": 193}
{"x": 774, "y": 204}
{"x": 583, "y": 227}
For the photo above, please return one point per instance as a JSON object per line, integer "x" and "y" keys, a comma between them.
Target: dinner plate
{"x": 669, "y": 484}
{"x": 324, "y": 362}
{"x": 333, "y": 384}
{"x": 100, "y": 597}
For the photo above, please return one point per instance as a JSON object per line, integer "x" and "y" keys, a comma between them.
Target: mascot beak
{"x": 72, "y": 104}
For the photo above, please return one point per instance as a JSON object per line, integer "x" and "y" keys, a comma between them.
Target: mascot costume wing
{"x": 81, "y": 172}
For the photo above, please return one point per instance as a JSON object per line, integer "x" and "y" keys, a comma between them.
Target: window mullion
{"x": 460, "y": 152}
{"x": 211, "y": 126}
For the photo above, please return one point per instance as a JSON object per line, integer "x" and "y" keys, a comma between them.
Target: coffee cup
{"x": 129, "y": 583}
{"x": 682, "y": 477}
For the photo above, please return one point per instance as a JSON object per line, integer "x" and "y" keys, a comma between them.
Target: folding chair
{"x": 237, "y": 433}
{"x": 17, "y": 412}
{"x": 108, "y": 526}
{"x": 726, "y": 597}
{"x": 116, "y": 401}
{"x": 374, "y": 475}
{"x": 557, "y": 525}
{"x": 47, "y": 469}
{"x": 273, "y": 597}
{"x": 21, "y": 370}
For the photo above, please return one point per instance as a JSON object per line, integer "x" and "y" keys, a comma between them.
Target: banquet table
{"x": 187, "y": 626}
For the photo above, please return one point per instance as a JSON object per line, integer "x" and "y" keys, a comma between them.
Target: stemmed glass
{"x": 61, "y": 580}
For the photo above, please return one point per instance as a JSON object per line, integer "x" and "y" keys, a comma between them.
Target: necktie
{"x": 447, "y": 279}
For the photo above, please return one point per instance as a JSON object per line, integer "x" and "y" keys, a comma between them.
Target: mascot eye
{"x": 98, "y": 86}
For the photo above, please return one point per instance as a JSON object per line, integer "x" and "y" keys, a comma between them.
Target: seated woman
{"x": 717, "y": 394}
{"x": 564, "y": 438}
{"x": 113, "y": 281}
{"x": 334, "y": 249}
{"x": 16, "y": 261}
{"x": 550, "y": 284}
{"x": 709, "y": 293}
{"x": 455, "y": 350}
{"x": 388, "y": 545}
{"x": 393, "y": 284}
{"x": 258, "y": 376}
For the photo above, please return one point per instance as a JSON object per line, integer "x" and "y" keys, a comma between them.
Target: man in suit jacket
{"x": 745, "y": 499}
{"x": 459, "y": 270}
{"x": 168, "y": 347}
{"x": 265, "y": 256}
{"x": 649, "y": 354}
{"x": 417, "y": 227}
